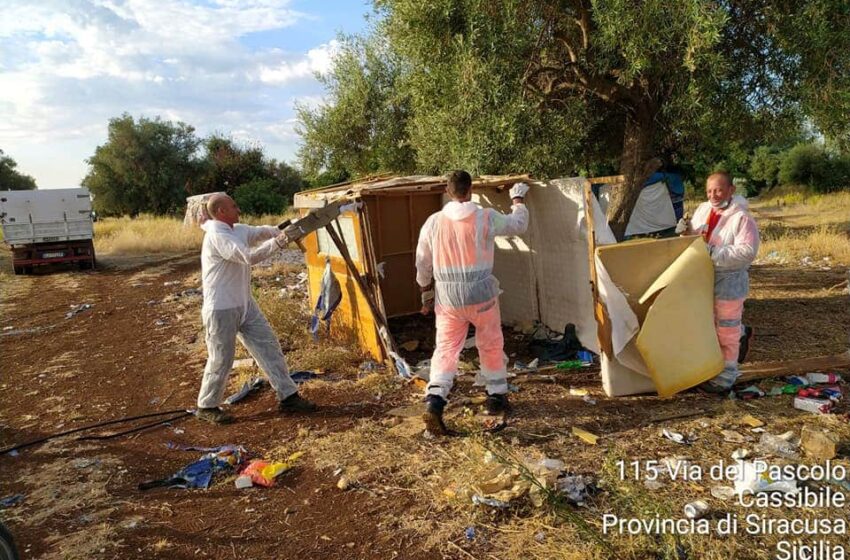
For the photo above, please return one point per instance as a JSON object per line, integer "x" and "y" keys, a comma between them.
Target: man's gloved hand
{"x": 282, "y": 240}
{"x": 518, "y": 190}
{"x": 683, "y": 225}
{"x": 427, "y": 302}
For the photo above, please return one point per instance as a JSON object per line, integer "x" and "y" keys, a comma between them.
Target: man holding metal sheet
{"x": 454, "y": 270}
{"x": 230, "y": 311}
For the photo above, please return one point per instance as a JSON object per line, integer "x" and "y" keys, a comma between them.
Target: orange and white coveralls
{"x": 733, "y": 241}
{"x": 455, "y": 250}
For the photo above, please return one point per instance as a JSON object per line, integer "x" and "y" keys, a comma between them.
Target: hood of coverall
{"x": 455, "y": 210}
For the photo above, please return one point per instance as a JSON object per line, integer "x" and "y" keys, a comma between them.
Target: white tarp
{"x": 653, "y": 211}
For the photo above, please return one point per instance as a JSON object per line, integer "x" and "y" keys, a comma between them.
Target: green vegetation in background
{"x": 12, "y": 179}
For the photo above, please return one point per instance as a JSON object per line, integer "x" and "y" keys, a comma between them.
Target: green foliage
{"x": 145, "y": 166}
{"x": 362, "y": 130}
{"x": 228, "y": 165}
{"x": 764, "y": 167}
{"x": 12, "y": 179}
{"x": 813, "y": 166}
{"x": 258, "y": 197}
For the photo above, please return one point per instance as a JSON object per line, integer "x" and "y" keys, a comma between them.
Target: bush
{"x": 764, "y": 167}
{"x": 813, "y": 166}
{"x": 259, "y": 196}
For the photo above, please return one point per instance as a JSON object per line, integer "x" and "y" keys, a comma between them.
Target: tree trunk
{"x": 636, "y": 165}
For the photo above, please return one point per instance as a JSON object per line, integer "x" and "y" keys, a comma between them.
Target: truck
{"x": 48, "y": 226}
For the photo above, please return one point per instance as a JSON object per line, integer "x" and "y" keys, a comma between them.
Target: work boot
{"x": 295, "y": 403}
{"x": 433, "y": 416}
{"x": 496, "y": 405}
{"x": 745, "y": 344}
{"x": 214, "y": 416}
{"x": 713, "y": 388}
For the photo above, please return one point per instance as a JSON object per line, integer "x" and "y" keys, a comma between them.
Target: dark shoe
{"x": 294, "y": 403}
{"x": 214, "y": 416}
{"x": 496, "y": 405}
{"x": 713, "y": 388}
{"x": 745, "y": 344}
{"x": 433, "y": 416}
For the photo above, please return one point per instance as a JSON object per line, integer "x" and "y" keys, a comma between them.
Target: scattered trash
{"x": 247, "y": 388}
{"x": 731, "y": 436}
{"x": 832, "y": 393}
{"x": 513, "y": 388}
{"x": 696, "y": 510}
{"x": 75, "y": 309}
{"x": 492, "y": 502}
{"x": 815, "y": 406}
{"x": 330, "y": 296}
{"x": 343, "y": 483}
{"x": 585, "y": 436}
{"x": 160, "y": 323}
{"x": 531, "y": 366}
{"x": 585, "y": 357}
{"x": 782, "y": 445}
{"x": 798, "y": 380}
{"x": 263, "y": 473}
{"x": 749, "y": 393}
{"x": 723, "y": 492}
{"x": 819, "y": 444}
{"x": 171, "y": 283}
{"x": 9, "y": 501}
{"x": 570, "y": 364}
{"x": 540, "y": 537}
{"x": 243, "y": 363}
{"x": 244, "y": 481}
{"x": 8, "y": 328}
{"x": 677, "y": 437}
{"x": 751, "y": 421}
{"x": 410, "y": 345}
{"x": 740, "y": 454}
{"x": 578, "y": 392}
{"x": 752, "y": 478}
{"x": 200, "y": 473}
{"x": 469, "y": 533}
{"x": 576, "y": 488}
{"x": 818, "y": 377}
{"x": 589, "y": 400}
{"x": 302, "y": 376}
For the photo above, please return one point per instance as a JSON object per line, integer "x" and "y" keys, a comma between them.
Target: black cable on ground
{"x": 137, "y": 429}
{"x": 89, "y": 427}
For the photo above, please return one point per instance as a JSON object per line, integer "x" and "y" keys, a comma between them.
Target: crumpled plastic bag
{"x": 263, "y": 473}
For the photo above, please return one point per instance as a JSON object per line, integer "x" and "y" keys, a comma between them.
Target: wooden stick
{"x": 767, "y": 370}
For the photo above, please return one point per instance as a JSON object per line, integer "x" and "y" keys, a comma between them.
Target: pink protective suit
{"x": 456, "y": 251}
{"x": 733, "y": 245}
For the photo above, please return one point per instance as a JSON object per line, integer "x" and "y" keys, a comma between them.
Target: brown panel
{"x": 395, "y": 225}
{"x": 424, "y": 206}
{"x": 401, "y": 296}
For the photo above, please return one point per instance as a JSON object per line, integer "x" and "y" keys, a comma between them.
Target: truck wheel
{"x": 7, "y": 545}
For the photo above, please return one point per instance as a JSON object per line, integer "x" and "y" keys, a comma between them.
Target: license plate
{"x": 52, "y": 254}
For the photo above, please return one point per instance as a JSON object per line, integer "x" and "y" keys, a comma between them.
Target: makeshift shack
{"x": 546, "y": 274}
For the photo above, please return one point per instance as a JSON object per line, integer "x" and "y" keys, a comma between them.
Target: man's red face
{"x": 228, "y": 212}
{"x": 718, "y": 191}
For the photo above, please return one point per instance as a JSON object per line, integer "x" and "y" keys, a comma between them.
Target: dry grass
{"x": 795, "y": 225}
{"x": 145, "y": 235}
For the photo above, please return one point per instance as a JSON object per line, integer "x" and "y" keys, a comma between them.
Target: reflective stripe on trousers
{"x": 452, "y": 327}
{"x": 727, "y": 321}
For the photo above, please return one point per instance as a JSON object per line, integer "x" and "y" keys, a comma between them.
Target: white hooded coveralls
{"x": 229, "y": 310}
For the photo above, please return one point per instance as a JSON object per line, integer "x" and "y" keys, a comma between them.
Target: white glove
{"x": 682, "y": 226}
{"x": 519, "y": 190}
{"x": 427, "y": 302}
{"x": 282, "y": 240}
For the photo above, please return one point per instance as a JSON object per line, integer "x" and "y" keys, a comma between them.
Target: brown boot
{"x": 433, "y": 416}
{"x": 214, "y": 416}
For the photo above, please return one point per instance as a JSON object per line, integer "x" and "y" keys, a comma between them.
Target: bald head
{"x": 223, "y": 208}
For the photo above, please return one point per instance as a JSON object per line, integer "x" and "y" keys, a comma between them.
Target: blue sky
{"x": 231, "y": 66}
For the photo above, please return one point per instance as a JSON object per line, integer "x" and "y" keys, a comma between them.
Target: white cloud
{"x": 68, "y": 66}
{"x": 318, "y": 60}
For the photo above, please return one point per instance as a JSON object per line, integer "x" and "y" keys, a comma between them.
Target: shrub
{"x": 813, "y": 166}
{"x": 764, "y": 167}
{"x": 259, "y": 197}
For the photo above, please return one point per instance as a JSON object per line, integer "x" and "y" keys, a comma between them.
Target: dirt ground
{"x": 139, "y": 349}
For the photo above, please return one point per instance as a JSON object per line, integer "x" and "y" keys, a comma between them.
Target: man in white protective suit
{"x": 230, "y": 311}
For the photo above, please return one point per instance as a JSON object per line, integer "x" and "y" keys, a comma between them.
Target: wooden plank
{"x": 603, "y": 329}
{"x": 609, "y": 180}
{"x": 767, "y": 370}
